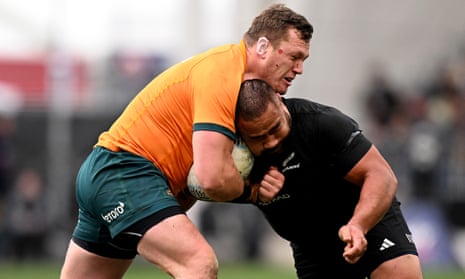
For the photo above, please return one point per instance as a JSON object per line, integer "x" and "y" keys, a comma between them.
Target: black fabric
{"x": 317, "y": 154}
{"x": 315, "y": 201}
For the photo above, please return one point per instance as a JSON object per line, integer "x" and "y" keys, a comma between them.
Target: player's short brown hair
{"x": 275, "y": 22}
{"x": 254, "y": 97}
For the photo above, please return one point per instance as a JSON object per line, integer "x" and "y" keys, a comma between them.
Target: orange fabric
{"x": 158, "y": 123}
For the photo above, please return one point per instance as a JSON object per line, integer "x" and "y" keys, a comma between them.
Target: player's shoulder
{"x": 222, "y": 52}
{"x": 221, "y": 61}
{"x": 316, "y": 116}
{"x": 306, "y": 106}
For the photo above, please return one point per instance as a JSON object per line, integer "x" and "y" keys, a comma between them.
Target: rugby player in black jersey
{"x": 338, "y": 206}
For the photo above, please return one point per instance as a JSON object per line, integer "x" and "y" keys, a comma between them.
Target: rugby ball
{"x": 243, "y": 160}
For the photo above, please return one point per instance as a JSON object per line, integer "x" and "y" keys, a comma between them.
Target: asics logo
{"x": 114, "y": 213}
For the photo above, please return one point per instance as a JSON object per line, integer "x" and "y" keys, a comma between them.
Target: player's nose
{"x": 271, "y": 143}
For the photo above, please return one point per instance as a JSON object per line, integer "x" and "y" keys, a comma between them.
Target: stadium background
{"x": 67, "y": 68}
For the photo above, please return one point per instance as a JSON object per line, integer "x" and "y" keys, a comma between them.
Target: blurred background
{"x": 68, "y": 68}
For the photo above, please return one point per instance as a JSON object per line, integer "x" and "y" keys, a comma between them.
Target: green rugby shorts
{"x": 115, "y": 190}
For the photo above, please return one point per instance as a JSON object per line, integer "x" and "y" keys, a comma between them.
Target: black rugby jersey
{"x": 323, "y": 145}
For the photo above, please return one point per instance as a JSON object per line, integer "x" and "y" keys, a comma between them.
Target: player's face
{"x": 284, "y": 63}
{"x": 266, "y": 133}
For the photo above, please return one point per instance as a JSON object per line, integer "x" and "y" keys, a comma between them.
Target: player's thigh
{"x": 82, "y": 264}
{"x": 402, "y": 267}
{"x": 176, "y": 245}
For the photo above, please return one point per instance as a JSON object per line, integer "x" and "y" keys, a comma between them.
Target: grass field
{"x": 142, "y": 271}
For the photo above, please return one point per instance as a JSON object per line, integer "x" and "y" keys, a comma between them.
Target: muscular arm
{"x": 379, "y": 186}
{"x": 214, "y": 166}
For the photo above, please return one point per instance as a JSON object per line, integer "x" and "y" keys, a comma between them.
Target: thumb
{"x": 344, "y": 234}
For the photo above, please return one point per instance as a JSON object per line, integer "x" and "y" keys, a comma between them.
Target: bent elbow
{"x": 393, "y": 184}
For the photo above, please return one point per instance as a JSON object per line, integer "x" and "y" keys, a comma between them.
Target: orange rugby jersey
{"x": 199, "y": 93}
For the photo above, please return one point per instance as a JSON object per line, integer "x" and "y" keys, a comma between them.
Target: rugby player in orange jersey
{"x": 131, "y": 188}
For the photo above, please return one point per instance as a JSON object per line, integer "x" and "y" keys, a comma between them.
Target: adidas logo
{"x": 386, "y": 244}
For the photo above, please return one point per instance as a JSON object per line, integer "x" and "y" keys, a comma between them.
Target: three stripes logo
{"x": 386, "y": 244}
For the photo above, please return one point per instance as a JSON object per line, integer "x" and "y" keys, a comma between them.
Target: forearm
{"x": 249, "y": 195}
{"x": 378, "y": 186}
{"x": 228, "y": 185}
{"x": 375, "y": 199}
{"x": 214, "y": 167}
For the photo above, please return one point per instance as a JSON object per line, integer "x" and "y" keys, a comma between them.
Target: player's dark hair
{"x": 254, "y": 97}
{"x": 274, "y": 24}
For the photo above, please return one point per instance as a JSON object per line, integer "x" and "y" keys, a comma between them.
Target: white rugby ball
{"x": 243, "y": 160}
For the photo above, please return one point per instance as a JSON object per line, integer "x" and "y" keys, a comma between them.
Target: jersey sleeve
{"x": 343, "y": 140}
{"x": 215, "y": 92}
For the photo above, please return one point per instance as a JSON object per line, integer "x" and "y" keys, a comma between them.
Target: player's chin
{"x": 282, "y": 87}
{"x": 282, "y": 90}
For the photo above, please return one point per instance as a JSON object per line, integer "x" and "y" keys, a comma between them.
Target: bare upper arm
{"x": 371, "y": 164}
{"x": 210, "y": 148}
{"x": 214, "y": 166}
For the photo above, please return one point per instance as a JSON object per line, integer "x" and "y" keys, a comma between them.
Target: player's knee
{"x": 200, "y": 263}
{"x": 206, "y": 264}
{"x": 211, "y": 268}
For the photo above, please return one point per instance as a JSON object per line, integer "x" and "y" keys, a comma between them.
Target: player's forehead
{"x": 267, "y": 123}
{"x": 294, "y": 45}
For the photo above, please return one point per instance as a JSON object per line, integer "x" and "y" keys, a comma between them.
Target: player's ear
{"x": 262, "y": 45}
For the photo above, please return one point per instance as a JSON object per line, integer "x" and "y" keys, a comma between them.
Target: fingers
{"x": 356, "y": 243}
{"x": 270, "y": 185}
{"x": 266, "y": 193}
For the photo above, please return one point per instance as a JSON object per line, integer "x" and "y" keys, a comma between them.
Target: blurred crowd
{"x": 23, "y": 212}
{"x": 420, "y": 130}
